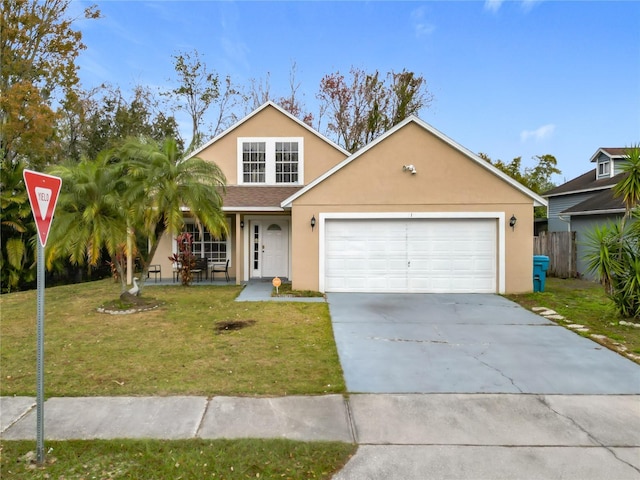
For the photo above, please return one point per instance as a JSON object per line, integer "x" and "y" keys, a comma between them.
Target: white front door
{"x": 275, "y": 249}
{"x": 270, "y": 248}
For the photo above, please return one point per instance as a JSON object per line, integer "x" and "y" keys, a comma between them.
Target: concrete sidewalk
{"x": 260, "y": 291}
{"x": 400, "y": 436}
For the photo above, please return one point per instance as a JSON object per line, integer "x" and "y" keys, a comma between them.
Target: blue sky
{"x": 510, "y": 78}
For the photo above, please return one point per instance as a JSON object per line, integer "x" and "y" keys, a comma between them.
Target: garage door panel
{"x": 411, "y": 255}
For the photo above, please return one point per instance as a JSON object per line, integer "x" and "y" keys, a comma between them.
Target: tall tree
{"x": 104, "y": 117}
{"x": 198, "y": 89}
{"x": 260, "y": 93}
{"x": 227, "y": 103}
{"x": 292, "y": 102}
{"x": 513, "y": 168}
{"x": 536, "y": 178}
{"x": 410, "y": 95}
{"x": 38, "y": 50}
{"x": 363, "y": 106}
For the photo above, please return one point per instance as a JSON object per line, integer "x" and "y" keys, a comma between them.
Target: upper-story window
{"x": 253, "y": 162}
{"x": 270, "y": 161}
{"x": 604, "y": 168}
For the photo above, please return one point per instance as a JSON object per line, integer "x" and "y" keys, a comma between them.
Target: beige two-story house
{"x": 413, "y": 211}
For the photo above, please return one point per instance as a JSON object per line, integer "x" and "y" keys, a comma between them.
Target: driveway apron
{"x": 436, "y": 343}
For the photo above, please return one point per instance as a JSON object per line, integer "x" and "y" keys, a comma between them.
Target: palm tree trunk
{"x": 153, "y": 246}
{"x": 129, "y": 255}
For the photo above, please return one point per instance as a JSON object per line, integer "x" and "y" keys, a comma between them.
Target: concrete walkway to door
{"x": 260, "y": 291}
{"x": 434, "y": 343}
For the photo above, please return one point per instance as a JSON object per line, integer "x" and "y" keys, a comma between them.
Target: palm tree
{"x": 164, "y": 186}
{"x": 629, "y": 187}
{"x": 90, "y": 215}
{"x": 18, "y": 230}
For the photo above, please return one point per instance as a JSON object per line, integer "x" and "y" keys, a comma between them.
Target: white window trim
{"x": 174, "y": 243}
{"x": 270, "y": 160}
{"x": 601, "y": 164}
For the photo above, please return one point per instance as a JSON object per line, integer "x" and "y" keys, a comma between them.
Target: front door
{"x": 270, "y": 248}
{"x": 275, "y": 250}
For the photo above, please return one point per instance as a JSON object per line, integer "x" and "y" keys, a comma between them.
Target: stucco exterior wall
{"x": 161, "y": 257}
{"x": 319, "y": 156}
{"x": 446, "y": 181}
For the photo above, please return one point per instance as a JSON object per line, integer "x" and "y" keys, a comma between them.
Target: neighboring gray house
{"x": 587, "y": 201}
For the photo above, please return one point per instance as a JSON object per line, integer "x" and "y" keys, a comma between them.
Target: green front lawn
{"x": 177, "y": 349}
{"x": 585, "y": 303}
{"x": 188, "y": 459}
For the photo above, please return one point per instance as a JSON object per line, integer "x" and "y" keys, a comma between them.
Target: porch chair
{"x": 220, "y": 268}
{"x": 201, "y": 266}
{"x": 156, "y": 270}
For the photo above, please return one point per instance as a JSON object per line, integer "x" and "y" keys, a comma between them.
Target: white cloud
{"x": 236, "y": 51}
{"x": 527, "y": 5}
{"x": 421, "y": 26}
{"x": 538, "y": 134}
{"x": 492, "y": 5}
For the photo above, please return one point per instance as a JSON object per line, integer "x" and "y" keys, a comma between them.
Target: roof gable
{"x": 589, "y": 181}
{"x": 611, "y": 152}
{"x": 537, "y": 199}
{"x": 256, "y": 112}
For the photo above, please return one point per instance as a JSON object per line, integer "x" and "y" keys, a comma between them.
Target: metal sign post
{"x": 43, "y": 193}
{"x": 40, "y": 359}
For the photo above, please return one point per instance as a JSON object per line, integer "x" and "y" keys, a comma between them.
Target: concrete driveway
{"x": 433, "y": 343}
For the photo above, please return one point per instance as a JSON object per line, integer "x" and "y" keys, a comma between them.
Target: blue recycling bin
{"x": 540, "y": 267}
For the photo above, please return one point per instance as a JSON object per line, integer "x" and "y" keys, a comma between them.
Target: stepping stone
{"x": 555, "y": 317}
{"x": 575, "y": 326}
{"x": 629, "y": 324}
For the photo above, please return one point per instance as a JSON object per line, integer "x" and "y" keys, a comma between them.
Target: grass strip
{"x": 184, "y": 459}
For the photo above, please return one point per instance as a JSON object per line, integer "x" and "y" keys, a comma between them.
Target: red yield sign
{"x": 43, "y": 193}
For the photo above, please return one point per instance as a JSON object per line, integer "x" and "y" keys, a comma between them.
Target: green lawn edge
{"x": 185, "y": 459}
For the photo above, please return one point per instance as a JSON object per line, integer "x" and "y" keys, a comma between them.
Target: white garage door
{"x": 416, "y": 255}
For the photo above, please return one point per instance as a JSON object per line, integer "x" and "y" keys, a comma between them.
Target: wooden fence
{"x": 560, "y": 247}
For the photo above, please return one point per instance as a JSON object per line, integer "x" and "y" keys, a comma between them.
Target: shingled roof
{"x": 584, "y": 183}
{"x": 613, "y": 152}
{"x": 251, "y": 198}
{"x": 601, "y": 203}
